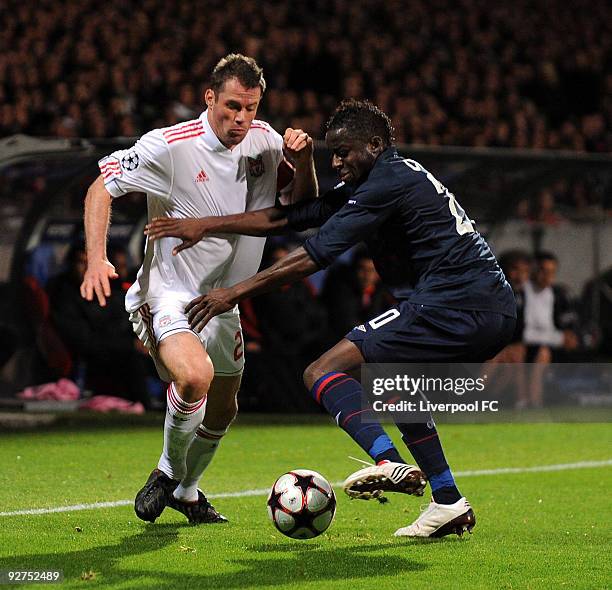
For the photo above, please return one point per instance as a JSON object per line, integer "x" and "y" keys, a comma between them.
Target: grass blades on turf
{"x": 535, "y": 529}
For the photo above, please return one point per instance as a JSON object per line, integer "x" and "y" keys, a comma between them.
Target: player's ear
{"x": 209, "y": 97}
{"x": 376, "y": 145}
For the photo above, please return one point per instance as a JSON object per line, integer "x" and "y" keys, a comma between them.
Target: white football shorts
{"x": 221, "y": 337}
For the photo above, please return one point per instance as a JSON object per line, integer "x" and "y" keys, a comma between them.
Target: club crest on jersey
{"x": 165, "y": 321}
{"x": 130, "y": 161}
{"x": 256, "y": 166}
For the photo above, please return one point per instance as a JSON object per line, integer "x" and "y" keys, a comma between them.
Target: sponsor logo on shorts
{"x": 360, "y": 327}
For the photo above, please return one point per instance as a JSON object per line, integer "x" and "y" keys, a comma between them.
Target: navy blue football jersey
{"x": 425, "y": 248}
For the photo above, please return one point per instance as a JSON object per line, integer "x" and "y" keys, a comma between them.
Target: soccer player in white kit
{"x": 222, "y": 163}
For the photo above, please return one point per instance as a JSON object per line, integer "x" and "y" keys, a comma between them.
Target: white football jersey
{"x": 186, "y": 171}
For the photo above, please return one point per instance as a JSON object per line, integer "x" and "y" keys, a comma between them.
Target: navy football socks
{"x": 423, "y": 442}
{"x": 341, "y": 396}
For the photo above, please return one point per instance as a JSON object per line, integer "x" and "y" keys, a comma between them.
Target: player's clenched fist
{"x": 97, "y": 280}
{"x": 297, "y": 144}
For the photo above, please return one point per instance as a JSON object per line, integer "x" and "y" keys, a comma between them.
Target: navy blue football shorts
{"x": 411, "y": 332}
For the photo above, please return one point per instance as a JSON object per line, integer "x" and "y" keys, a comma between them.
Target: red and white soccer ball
{"x": 301, "y": 504}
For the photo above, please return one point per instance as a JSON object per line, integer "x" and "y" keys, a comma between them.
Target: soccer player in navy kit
{"x": 454, "y": 304}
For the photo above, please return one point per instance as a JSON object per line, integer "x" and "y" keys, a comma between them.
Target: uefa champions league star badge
{"x": 256, "y": 166}
{"x": 130, "y": 161}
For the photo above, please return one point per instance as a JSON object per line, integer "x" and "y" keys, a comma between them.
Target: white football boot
{"x": 439, "y": 520}
{"x": 372, "y": 482}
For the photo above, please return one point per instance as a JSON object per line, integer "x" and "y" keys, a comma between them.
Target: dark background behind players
{"x": 476, "y": 74}
{"x": 283, "y": 330}
{"x": 106, "y": 356}
{"x": 534, "y": 75}
{"x": 353, "y": 293}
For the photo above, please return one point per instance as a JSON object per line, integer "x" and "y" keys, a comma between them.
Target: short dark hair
{"x": 362, "y": 120}
{"x": 236, "y": 65}
{"x": 543, "y": 256}
{"x": 511, "y": 258}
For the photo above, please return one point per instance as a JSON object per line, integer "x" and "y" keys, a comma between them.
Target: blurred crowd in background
{"x": 284, "y": 330}
{"x": 469, "y": 73}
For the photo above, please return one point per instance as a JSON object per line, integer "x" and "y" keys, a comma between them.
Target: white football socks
{"x": 201, "y": 452}
{"x": 182, "y": 420}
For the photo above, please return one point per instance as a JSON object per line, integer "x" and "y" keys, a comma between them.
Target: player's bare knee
{"x": 314, "y": 372}
{"x": 191, "y": 390}
{"x": 194, "y": 383}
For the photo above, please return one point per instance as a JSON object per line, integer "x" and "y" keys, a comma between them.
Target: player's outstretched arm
{"x": 99, "y": 270}
{"x": 264, "y": 222}
{"x": 294, "y": 266}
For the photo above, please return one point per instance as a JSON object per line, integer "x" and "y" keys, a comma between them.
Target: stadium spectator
{"x": 544, "y": 210}
{"x": 516, "y": 265}
{"x": 100, "y": 339}
{"x": 550, "y": 322}
{"x": 596, "y": 311}
{"x": 512, "y": 377}
{"x": 549, "y": 316}
{"x": 576, "y": 199}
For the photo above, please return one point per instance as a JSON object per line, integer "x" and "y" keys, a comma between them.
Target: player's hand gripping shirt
{"x": 186, "y": 171}
{"x": 423, "y": 244}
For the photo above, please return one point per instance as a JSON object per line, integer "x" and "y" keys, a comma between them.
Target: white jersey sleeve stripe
{"x": 185, "y": 136}
{"x": 145, "y": 167}
{"x": 178, "y": 130}
{"x": 182, "y": 125}
{"x": 172, "y": 134}
{"x": 110, "y": 168}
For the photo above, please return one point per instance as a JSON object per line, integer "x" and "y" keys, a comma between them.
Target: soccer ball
{"x": 301, "y": 504}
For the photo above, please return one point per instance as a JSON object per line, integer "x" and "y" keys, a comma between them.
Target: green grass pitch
{"x": 549, "y": 529}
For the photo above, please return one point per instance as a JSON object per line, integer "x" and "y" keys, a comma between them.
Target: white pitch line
{"x": 265, "y": 491}
{"x": 536, "y": 469}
